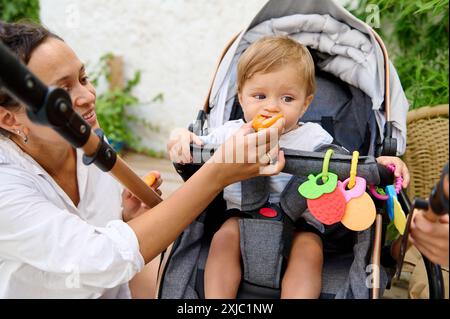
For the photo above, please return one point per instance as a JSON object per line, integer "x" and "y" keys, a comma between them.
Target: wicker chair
{"x": 427, "y": 148}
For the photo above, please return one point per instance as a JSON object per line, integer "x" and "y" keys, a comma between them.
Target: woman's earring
{"x": 25, "y": 137}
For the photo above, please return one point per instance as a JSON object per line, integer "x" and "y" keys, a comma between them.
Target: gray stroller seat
{"x": 356, "y": 122}
{"x": 344, "y": 275}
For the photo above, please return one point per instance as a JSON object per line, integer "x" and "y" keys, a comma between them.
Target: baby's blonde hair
{"x": 270, "y": 53}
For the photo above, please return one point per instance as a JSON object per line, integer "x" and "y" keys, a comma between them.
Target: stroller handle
{"x": 303, "y": 163}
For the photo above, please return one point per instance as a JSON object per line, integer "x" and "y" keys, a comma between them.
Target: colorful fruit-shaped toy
{"x": 311, "y": 190}
{"x": 328, "y": 208}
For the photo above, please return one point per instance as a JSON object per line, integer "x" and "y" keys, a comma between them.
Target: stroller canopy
{"x": 346, "y": 46}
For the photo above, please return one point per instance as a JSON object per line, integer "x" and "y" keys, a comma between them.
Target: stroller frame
{"x": 387, "y": 147}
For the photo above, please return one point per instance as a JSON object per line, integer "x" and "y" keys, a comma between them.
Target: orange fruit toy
{"x": 261, "y": 122}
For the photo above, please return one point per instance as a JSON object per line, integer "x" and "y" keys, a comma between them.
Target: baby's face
{"x": 280, "y": 91}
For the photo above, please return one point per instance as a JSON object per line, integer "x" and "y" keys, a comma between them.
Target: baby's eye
{"x": 287, "y": 99}
{"x": 259, "y": 96}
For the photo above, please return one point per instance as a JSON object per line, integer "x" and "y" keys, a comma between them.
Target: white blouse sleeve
{"x": 36, "y": 232}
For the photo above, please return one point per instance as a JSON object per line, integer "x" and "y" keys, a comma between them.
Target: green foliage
{"x": 15, "y": 10}
{"x": 111, "y": 109}
{"x": 416, "y": 34}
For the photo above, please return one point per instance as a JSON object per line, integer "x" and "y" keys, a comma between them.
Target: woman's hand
{"x": 430, "y": 238}
{"x": 241, "y": 157}
{"x": 178, "y": 146}
{"x": 133, "y": 206}
{"x": 400, "y": 167}
{"x": 248, "y": 154}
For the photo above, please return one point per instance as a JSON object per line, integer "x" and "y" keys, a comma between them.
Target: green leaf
{"x": 416, "y": 34}
{"x": 112, "y": 106}
{"x": 13, "y": 11}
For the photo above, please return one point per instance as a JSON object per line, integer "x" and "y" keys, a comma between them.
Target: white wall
{"x": 176, "y": 44}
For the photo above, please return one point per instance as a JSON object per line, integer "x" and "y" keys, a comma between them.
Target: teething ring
{"x": 377, "y": 195}
{"x": 356, "y": 191}
{"x": 398, "y": 185}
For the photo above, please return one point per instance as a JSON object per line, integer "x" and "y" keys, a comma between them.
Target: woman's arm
{"x": 160, "y": 226}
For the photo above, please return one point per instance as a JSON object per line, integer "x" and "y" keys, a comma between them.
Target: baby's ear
{"x": 240, "y": 98}
{"x": 308, "y": 101}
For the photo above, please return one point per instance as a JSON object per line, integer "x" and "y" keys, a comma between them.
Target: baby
{"x": 275, "y": 77}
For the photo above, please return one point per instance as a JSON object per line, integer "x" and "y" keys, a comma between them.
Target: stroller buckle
{"x": 268, "y": 212}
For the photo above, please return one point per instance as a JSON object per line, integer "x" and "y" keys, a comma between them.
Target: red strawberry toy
{"x": 328, "y": 208}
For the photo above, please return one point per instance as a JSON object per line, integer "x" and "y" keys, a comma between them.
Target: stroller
{"x": 356, "y": 86}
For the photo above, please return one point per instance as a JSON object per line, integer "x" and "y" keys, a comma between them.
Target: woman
{"x": 61, "y": 228}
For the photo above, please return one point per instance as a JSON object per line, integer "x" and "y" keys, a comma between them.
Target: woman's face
{"x": 56, "y": 64}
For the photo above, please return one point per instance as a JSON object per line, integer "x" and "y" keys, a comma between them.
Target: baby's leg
{"x": 303, "y": 277}
{"x": 223, "y": 266}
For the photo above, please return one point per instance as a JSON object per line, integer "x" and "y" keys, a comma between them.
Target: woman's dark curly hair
{"x": 21, "y": 38}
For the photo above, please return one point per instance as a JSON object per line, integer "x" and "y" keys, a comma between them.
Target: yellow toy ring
{"x": 353, "y": 168}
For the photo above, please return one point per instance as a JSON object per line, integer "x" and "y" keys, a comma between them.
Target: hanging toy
{"x": 394, "y": 208}
{"x": 325, "y": 202}
{"x": 312, "y": 190}
{"x": 390, "y": 194}
{"x": 397, "y": 185}
{"x": 360, "y": 210}
{"x": 399, "y": 217}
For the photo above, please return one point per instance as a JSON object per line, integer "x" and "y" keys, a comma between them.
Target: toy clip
{"x": 353, "y": 169}
{"x": 397, "y": 185}
{"x": 326, "y": 164}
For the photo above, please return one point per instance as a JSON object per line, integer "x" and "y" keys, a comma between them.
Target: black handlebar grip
{"x": 18, "y": 81}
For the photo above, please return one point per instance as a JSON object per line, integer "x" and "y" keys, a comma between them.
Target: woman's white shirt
{"x": 51, "y": 249}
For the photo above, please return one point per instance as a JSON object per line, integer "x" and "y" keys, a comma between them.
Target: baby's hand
{"x": 400, "y": 167}
{"x": 179, "y": 145}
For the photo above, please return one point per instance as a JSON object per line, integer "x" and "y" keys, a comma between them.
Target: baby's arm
{"x": 178, "y": 146}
